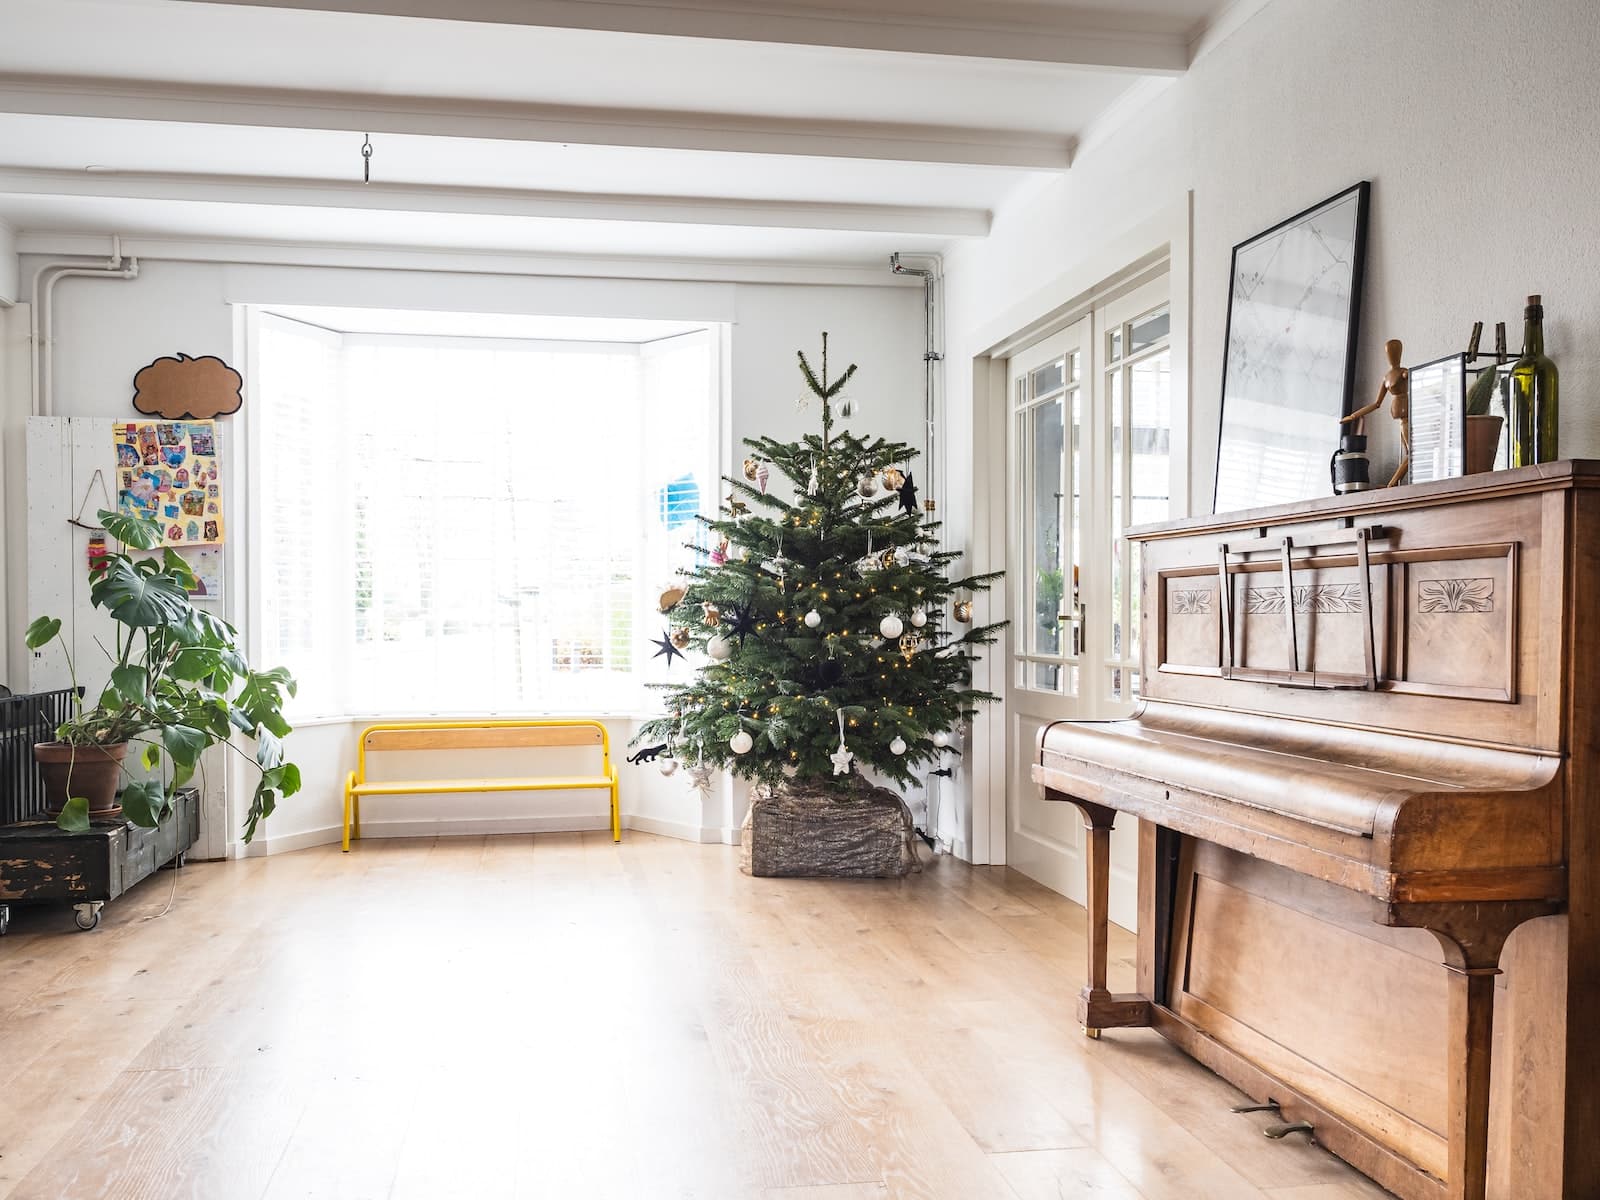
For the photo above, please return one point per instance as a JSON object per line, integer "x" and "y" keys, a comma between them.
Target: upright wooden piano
{"x": 1365, "y": 768}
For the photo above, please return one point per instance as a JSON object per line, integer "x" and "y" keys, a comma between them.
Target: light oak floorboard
{"x": 549, "y": 1017}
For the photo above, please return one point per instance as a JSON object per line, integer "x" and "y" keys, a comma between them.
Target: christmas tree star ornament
{"x": 699, "y": 778}
{"x": 741, "y": 622}
{"x": 667, "y": 648}
{"x": 842, "y": 756}
{"x": 908, "y": 494}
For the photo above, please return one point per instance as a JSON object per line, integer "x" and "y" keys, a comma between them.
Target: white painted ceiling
{"x": 813, "y": 133}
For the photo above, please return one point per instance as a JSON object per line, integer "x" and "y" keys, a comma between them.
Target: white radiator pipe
{"x": 41, "y": 320}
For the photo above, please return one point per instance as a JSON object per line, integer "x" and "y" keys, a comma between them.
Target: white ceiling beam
{"x": 1025, "y": 32}
{"x": 109, "y": 99}
{"x": 497, "y": 202}
{"x": 471, "y": 262}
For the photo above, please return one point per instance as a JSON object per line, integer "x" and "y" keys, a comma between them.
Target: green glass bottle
{"x": 1533, "y": 410}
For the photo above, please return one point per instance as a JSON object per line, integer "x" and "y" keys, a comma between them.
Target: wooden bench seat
{"x": 478, "y": 735}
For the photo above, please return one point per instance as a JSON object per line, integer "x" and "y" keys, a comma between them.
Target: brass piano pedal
{"x": 1269, "y": 1106}
{"x": 1284, "y": 1128}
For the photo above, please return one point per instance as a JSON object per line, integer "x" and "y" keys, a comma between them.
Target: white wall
{"x": 107, "y": 330}
{"x": 1476, "y": 123}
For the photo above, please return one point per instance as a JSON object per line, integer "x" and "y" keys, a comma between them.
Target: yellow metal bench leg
{"x": 616, "y": 812}
{"x": 357, "y": 815}
{"x": 348, "y": 784}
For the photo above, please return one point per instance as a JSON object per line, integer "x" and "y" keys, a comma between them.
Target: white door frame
{"x": 1164, "y": 241}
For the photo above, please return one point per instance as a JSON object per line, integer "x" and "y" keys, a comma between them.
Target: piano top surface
{"x": 1569, "y": 472}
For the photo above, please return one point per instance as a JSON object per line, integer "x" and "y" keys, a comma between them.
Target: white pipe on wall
{"x": 42, "y": 336}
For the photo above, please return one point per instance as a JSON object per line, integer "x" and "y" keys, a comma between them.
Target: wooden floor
{"x": 555, "y": 1016}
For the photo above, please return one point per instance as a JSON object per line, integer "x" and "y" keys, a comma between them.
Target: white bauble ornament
{"x": 667, "y": 765}
{"x": 868, "y": 487}
{"x": 741, "y": 742}
{"x": 941, "y": 739}
{"x": 813, "y": 619}
{"x": 891, "y": 627}
{"x": 919, "y": 617}
{"x": 719, "y": 648}
{"x": 898, "y": 746}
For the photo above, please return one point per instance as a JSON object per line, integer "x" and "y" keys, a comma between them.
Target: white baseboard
{"x": 262, "y": 846}
{"x": 479, "y": 826}
{"x": 682, "y": 830}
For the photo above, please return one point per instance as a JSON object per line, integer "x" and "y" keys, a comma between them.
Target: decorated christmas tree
{"x": 834, "y": 639}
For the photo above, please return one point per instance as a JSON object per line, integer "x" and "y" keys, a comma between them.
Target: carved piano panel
{"x": 1368, "y": 760}
{"x": 1449, "y": 595}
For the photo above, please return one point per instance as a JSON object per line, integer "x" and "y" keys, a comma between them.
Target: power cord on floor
{"x": 177, "y": 865}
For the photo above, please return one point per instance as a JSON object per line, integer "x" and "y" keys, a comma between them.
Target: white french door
{"x": 1089, "y": 455}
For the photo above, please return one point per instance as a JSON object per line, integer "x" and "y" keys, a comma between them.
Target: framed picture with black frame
{"x": 1294, "y": 307}
{"x": 1437, "y": 403}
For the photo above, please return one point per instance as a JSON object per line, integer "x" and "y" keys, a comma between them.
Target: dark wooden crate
{"x": 41, "y": 863}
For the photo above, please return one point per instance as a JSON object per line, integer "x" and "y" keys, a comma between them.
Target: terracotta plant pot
{"x": 1483, "y": 439}
{"x": 88, "y": 771}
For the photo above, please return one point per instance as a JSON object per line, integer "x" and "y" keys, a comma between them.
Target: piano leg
{"x": 1471, "y": 936}
{"x": 1099, "y": 1008}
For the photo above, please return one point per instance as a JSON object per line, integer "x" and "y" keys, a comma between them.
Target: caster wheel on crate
{"x": 87, "y": 915}
{"x": 178, "y": 862}
{"x": 5, "y": 919}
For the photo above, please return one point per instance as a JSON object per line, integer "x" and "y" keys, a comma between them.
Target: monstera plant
{"x": 178, "y": 685}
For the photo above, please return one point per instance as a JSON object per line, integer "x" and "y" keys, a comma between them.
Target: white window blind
{"x": 480, "y": 520}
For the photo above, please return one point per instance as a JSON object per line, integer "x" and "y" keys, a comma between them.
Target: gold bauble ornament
{"x": 888, "y": 560}
{"x": 751, "y": 466}
{"x": 894, "y": 479}
{"x": 963, "y": 611}
{"x": 713, "y": 618}
{"x": 680, "y": 638}
{"x": 908, "y": 645}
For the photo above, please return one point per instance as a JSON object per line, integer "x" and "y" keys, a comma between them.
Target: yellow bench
{"x": 477, "y": 735}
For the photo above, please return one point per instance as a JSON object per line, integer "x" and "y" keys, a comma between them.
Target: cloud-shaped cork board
{"x": 188, "y": 389}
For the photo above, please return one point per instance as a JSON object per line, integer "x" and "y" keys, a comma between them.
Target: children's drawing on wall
{"x": 167, "y": 471}
{"x": 206, "y": 564}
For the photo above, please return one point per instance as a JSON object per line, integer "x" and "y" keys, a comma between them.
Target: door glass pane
{"x": 1149, "y": 330}
{"x": 1150, "y": 453}
{"x": 1046, "y": 677}
{"x": 1048, "y": 378}
{"x": 1117, "y": 511}
{"x": 1114, "y": 345}
{"x": 1047, "y": 445}
{"x": 1074, "y": 645}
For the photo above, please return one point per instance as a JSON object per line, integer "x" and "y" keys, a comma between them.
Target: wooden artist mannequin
{"x": 1396, "y": 385}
